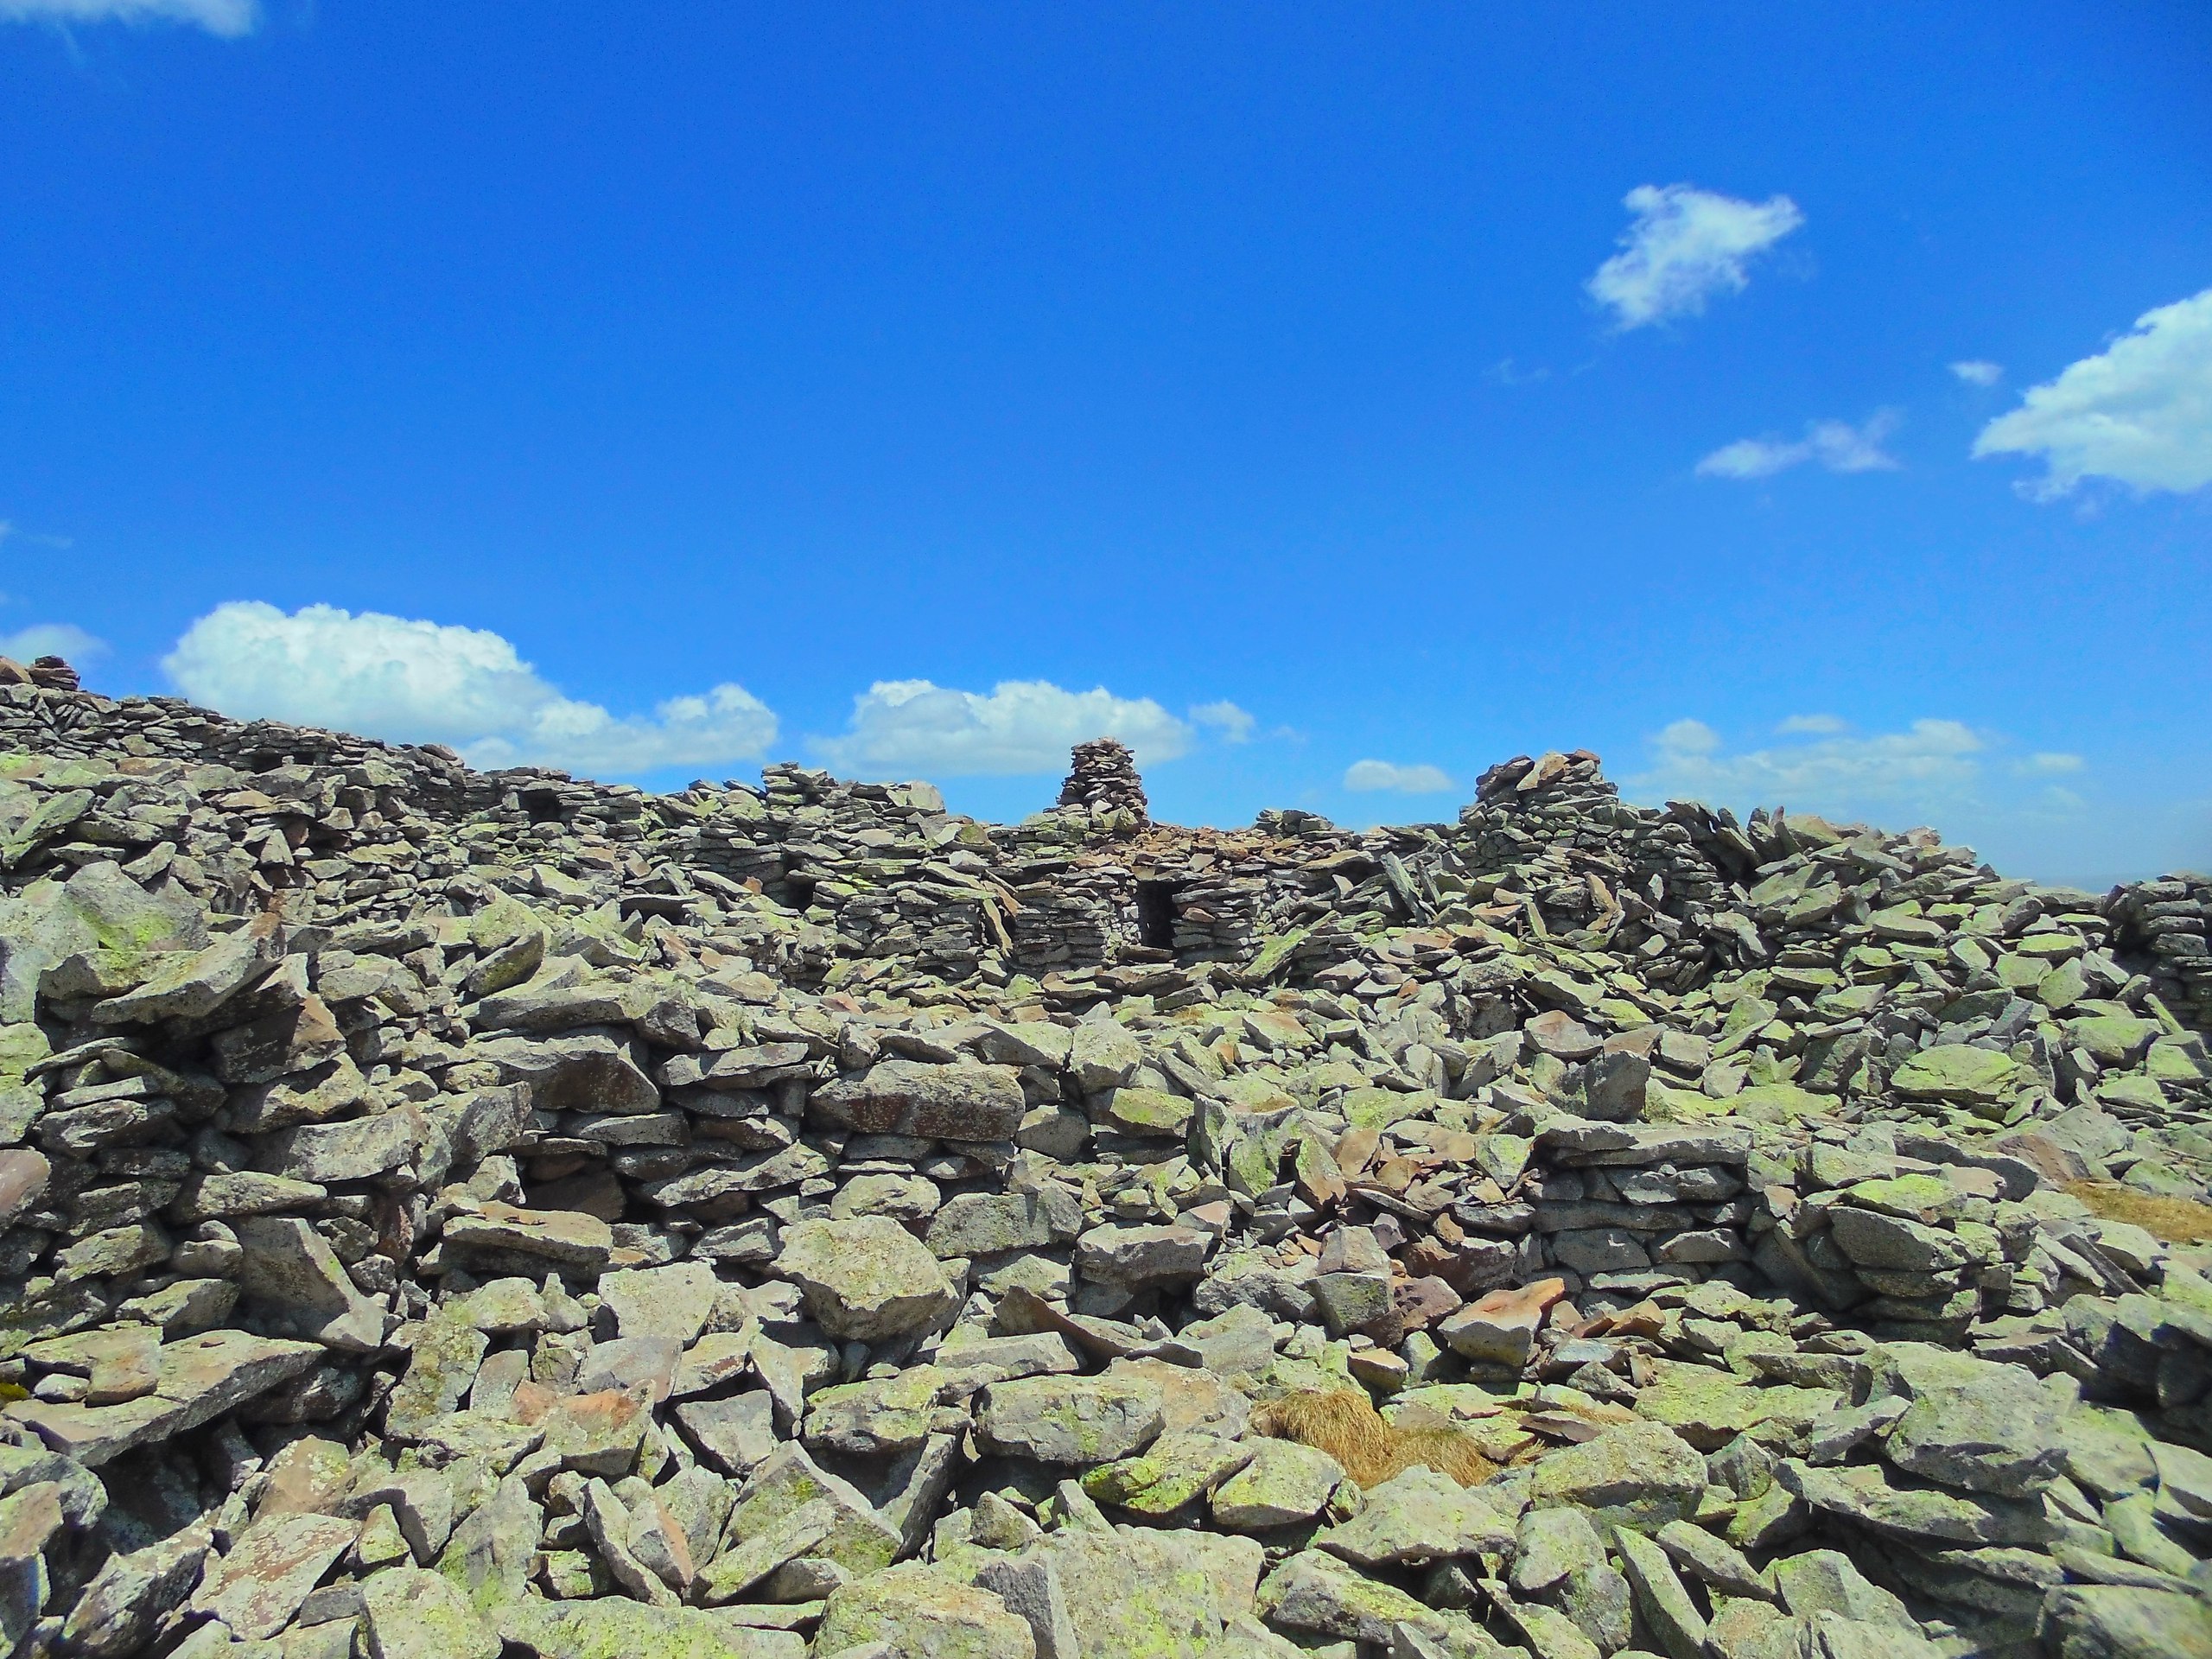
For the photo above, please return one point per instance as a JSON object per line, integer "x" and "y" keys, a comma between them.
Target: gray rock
{"x": 1640, "y": 1475}
{"x": 1284, "y": 1484}
{"x": 961, "y": 1101}
{"x": 1550, "y": 1544}
{"x": 1314, "y": 1592}
{"x": 1197, "y": 1584}
{"x": 732, "y": 1435}
{"x": 357, "y": 1149}
{"x": 608, "y": 1626}
{"x": 1660, "y": 1597}
{"x": 2090, "y": 1621}
{"x": 1418, "y": 1515}
{"x": 258, "y": 1587}
{"x": 1136, "y": 1256}
{"x": 922, "y": 1613}
{"x": 869, "y": 1279}
{"x": 1985, "y": 1427}
{"x": 674, "y": 1302}
{"x": 289, "y": 1270}
{"x": 1078, "y": 1420}
{"x": 409, "y": 1613}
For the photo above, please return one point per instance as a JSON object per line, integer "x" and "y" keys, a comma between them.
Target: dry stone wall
{"x": 478, "y": 1213}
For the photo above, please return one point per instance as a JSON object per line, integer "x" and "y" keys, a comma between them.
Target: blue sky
{"x": 1332, "y": 400}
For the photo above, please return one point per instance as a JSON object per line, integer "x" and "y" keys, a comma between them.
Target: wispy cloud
{"x": 228, "y": 18}
{"x": 63, "y": 639}
{"x": 1368, "y": 776}
{"x": 1685, "y": 246}
{"x": 1931, "y": 761}
{"x": 1836, "y": 445}
{"x": 1506, "y": 372}
{"x": 1233, "y": 724}
{"x": 1978, "y": 372}
{"x": 2139, "y": 412}
{"x": 911, "y": 728}
{"x": 420, "y": 682}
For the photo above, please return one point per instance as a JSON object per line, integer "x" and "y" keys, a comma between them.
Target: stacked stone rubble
{"x": 474, "y": 1213}
{"x": 1103, "y": 780}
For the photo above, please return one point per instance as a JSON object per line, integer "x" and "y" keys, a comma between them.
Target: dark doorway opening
{"x": 1156, "y": 914}
{"x": 543, "y": 805}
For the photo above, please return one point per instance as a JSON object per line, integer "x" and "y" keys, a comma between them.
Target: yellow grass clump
{"x": 1344, "y": 1423}
{"x": 2177, "y": 1220}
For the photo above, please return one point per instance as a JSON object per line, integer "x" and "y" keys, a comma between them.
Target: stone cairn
{"x": 458, "y": 1215}
{"x": 1104, "y": 779}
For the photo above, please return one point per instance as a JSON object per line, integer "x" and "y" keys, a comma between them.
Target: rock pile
{"x": 450, "y": 1213}
{"x": 1103, "y": 781}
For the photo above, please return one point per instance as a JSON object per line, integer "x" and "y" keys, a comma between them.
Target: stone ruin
{"x": 473, "y": 1214}
{"x": 1103, "y": 781}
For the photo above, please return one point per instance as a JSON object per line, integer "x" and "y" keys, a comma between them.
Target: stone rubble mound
{"x": 1103, "y": 780}
{"x": 456, "y": 1215}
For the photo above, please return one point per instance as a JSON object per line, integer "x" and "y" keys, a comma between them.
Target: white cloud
{"x": 2139, "y": 412}
{"x": 420, "y": 682}
{"x": 1685, "y": 246}
{"x": 2016, "y": 808}
{"x": 229, "y": 18}
{"x": 1368, "y": 775}
{"x": 1837, "y": 445}
{"x": 1234, "y": 724}
{"x": 906, "y": 728}
{"x": 53, "y": 639}
{"x": 1809, "y": 723}
{"x": 1932, "y": 762}
{"x": 1979, "y": 372}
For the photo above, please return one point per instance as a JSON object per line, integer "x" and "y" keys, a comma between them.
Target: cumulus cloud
{"x": 908, "y": 728}
{"x": 1809, "y": 723}
{"x": 1685, "y": 246}
{"x": 1365, "y": 776}
{"x": 1978, "y": 372}
{"x": 1837, "y": 445}
{"x": 420, "y": 682}
{"x": 2016, "y": 807}
{"x": 53, "y": 639}
{"x": 1932, "y": 761}
{"x": 228, "y": 18}
{"x": 1234, "y": 724}
{"x": 2139, "y": 412}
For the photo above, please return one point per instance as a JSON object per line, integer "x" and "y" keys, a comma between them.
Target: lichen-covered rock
{"x": 1079, "y": 1421}
{"x": 443, "y": 1209}
{"x": 921, "y": 1612}
{"x": 1285, "y": 1482}
{"x": 408, "y": 1613}
{"x": 869, "y": 1279}
{"x": 1639, "y": 1475}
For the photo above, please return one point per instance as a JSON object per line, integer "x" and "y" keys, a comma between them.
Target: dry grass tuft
{"x": 1344, "y": 1423}
{"x": 2177, "y": 1220}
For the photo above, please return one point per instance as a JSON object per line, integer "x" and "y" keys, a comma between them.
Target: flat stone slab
{"x": 200, "y": 1378}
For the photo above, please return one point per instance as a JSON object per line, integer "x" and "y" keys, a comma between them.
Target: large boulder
{"x": 1984, "y": 1427}
{"x": 867, "y": 1278}
{"x": 923, "y": 1612}
{"x": 1194, "y": 1585}
{"x": 1420, "y": 1516}
{"x": 1079, "y": 1421}
{"x": 964, "y": 1100}
{"x": 1639, "y": 1475}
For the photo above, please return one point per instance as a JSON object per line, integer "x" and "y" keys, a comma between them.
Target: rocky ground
{"x": 456, "y": 1214}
